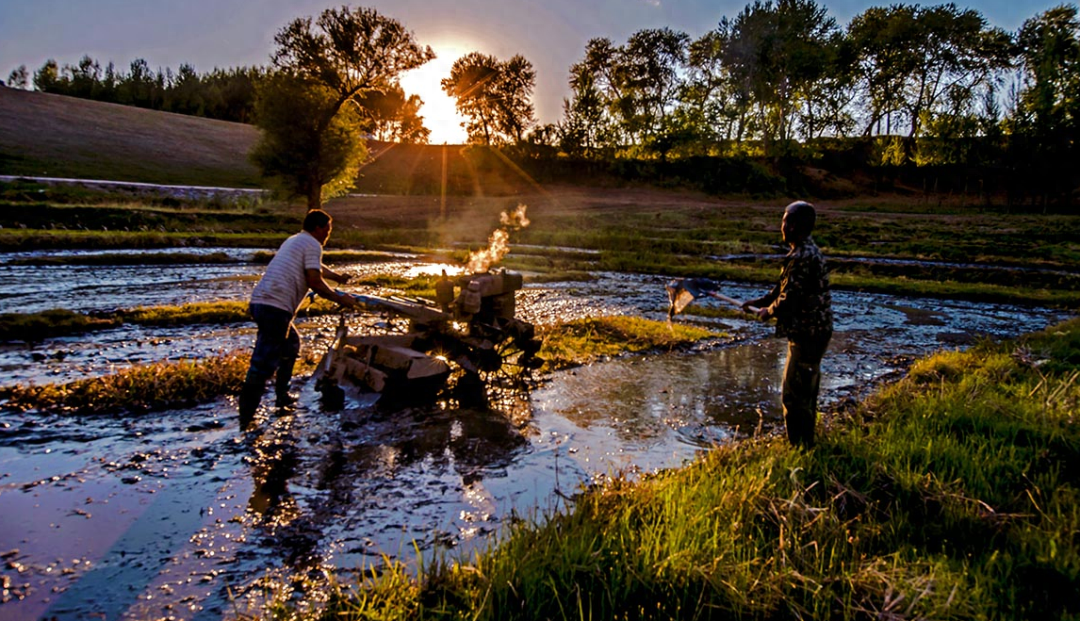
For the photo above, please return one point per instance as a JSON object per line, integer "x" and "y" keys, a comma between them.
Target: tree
{"x": 186, "y": 93}
{"x": 648, "y": 70}
{"x": 1046, "y": 124}
{"x": 513, "y": 103}
{"x": 472, "y": 85}
{"x": 915, "y": 61}
{"x": 779, "y": 53}
{"x": 328, "y": 63}
{"x": 495, "y": 95}
{"x": 1049, "y": 47}
{"x": 585, "y": 126}
{"x": 637, "y": 83}
{"x": 46, "y": 78}
{"x": 391, "y": 115}
{"x": 297, "y": 151}
{"x": 720, "y": 101}
{"x": 19, "y": 78}
{"x": 141, "y": 87}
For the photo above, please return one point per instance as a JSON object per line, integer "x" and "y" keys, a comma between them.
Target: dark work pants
{"x": 277, "y": 346}
{"x": 802, "y": 380}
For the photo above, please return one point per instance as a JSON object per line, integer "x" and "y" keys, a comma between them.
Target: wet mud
{"x": 179, "y": 514}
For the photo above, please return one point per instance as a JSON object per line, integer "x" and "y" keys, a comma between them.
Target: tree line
{"x": 784, "y": 72}
{"x": 224, "y": 94}
{"x": 941, "y": 83}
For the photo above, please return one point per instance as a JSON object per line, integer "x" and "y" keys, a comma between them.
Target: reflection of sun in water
{"x": 438, "y": 109}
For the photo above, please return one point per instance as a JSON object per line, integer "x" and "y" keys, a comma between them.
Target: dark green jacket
{"x": 800, "y": 302}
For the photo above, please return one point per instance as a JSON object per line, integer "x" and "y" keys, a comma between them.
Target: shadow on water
{"x": 178, "y": 514}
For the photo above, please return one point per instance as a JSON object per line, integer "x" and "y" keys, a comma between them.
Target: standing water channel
{"x": 177, "y": 514}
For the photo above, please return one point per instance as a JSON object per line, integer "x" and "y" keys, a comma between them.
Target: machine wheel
{"x": 511, "y": 363}
{"x": 333, "y": 396}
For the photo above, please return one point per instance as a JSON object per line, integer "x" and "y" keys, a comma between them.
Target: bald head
{"x": 798, "y": 223}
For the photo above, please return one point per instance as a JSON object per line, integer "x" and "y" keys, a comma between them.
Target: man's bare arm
{"x": 329, "y": 274}
{"x": 318, "y": 285}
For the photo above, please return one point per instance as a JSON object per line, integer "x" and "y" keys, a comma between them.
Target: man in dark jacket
{"x": 802, "y": 307}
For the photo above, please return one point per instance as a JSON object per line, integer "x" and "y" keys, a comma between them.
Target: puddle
{"x": 176, "y": 514}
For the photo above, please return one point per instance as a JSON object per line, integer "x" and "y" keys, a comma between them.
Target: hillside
{"x": 49, "y": 135}
{"x": 55, "y": 136}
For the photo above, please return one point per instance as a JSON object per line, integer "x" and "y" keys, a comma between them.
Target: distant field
{"x": 55, "y": 136}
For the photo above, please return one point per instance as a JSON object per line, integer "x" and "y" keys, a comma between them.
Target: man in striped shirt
{"x": 296, "y": 267}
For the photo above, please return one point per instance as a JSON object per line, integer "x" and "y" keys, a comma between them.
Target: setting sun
{"x": 438, "y": 110}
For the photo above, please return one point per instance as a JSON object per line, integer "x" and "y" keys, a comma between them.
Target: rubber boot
{"x": 250, "y": 396}
{"x": 283, "y": 382}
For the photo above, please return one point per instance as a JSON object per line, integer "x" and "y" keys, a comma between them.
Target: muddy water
{"x": 177, "y": 514}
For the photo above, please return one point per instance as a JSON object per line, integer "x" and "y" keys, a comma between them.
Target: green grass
{"x": 674, "y": 240}
{"x": 952, "y": 494}
{"x": 14, "y": 240}
{"x": 187, "y": 314}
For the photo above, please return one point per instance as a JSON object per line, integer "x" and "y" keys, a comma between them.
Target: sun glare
{"x": 438, "y": 110}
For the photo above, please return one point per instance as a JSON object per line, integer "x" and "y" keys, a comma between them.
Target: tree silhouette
{"x": 495, "y": 95}
{"x": 328, "y": 63}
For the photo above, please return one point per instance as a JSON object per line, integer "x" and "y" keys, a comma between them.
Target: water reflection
{"x": 644, "y": 399}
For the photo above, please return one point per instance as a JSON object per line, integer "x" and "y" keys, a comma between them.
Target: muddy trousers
{"x": 277, "y": 346}
{"x": 802, "y": 379}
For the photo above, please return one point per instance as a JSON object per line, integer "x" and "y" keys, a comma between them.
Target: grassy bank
{"x": 949, "y": 495}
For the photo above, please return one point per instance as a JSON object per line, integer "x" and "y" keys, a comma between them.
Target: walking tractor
{"x": 468, "y": 336}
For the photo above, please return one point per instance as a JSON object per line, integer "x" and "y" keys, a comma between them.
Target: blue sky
{"x": 228, "y": 33}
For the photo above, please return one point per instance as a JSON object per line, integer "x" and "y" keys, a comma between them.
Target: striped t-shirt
{"x": 285, "y": 282}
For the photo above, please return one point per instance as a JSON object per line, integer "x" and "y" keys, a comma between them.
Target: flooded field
{"x": 178, "y": 514}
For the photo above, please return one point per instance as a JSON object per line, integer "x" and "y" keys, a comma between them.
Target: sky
{"x": 551, "y": 34}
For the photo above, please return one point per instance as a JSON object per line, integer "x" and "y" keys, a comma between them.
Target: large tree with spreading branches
{"x": 324, "y": 69}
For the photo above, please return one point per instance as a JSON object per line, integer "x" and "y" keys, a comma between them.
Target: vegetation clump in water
{"x": 60, "y": 322}
{"x": 142, "y": 388}
{"x": 54, "y": 322}
{"x": 585, "y": 340}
